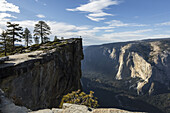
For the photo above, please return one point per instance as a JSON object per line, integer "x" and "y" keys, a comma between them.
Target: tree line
{"x": 15, "y": 33}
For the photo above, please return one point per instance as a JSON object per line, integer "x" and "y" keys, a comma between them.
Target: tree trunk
{"x": 41, "y": 34}
{"x": 27, "y": 40}
{"x": 13, "y": 40}
{"x": 5, "y": 46}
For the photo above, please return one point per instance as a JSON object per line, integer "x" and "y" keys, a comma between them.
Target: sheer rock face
{"x": 148, "y": 60}
{"x": 40, "y": 79}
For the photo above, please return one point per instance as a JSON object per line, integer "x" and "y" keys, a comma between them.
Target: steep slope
{"x": 129, "y": 73}
{"x": 39, "y": 79}
{"x": 148, "y": 60}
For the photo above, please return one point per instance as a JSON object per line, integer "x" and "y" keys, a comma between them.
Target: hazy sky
{"x": 96, "y": 21}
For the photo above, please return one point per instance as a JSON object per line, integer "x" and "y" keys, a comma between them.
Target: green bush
{"x": 81, "y": 98}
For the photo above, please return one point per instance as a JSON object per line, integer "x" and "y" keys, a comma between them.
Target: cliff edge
{"x": 39, "y": 79}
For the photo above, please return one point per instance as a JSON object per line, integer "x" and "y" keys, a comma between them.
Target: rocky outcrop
{"x": 74, "y": 108}
{"x": 39, "y": 79}
{"x": 148, "y": 60}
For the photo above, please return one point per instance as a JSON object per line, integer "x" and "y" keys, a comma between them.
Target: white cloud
{"x": 100, "y": 14}
{"x": 5, "y": 6}
{"x": 25, "y": 24}
{"x": 117, "y": 23}
{"x": 95, "y": 19}
{"x": 67, "y": 30}
{"x": 4, "y": 15}
{"x": 163, "y": 24}
{"x": 124, "y": 36}
{"x": 109, "y": 30}
{"x": 95, "y": 8}
{"x": 40, "y": 16}
{"x": 2, "y": 26}
{"x": 104, "y": 27}
{"x": 158, "y": 36}
{"x": 36, "y": 0}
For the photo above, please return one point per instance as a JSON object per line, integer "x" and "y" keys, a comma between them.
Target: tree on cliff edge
{"x": 3, "y": 38}
{"x": 27, "y": 37}
{"x": 14, "y": 32}
{"x": 36, "y": 40}
{"x": 42, "y": 30}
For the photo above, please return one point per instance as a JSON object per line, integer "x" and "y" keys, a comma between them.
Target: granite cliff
{"x": 129, "y": 75}
{"x": 39, "y": 79}
{"x": 148, "y": 60}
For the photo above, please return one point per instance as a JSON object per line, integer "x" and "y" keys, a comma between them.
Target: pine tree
{"x": 27, "y": 37}
{"x": 4, "y": 41}
{"x": 42, "y": 30}
{"x": 55, "y": 38}
{"x": 36, "y": 40}
{"x": 46, "y": 39}
{"x": 13, "y": 31}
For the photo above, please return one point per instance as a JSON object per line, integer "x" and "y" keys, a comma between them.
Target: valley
{"x": 111, "y": 75}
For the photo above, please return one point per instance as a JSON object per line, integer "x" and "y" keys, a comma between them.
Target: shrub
{"x": 81, "y": 98}
{"x": 35, "y": 47}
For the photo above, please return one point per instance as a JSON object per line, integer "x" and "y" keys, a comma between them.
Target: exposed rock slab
{"x": 73, "y": 108}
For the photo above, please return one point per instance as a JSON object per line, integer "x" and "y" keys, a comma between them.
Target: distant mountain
{"x": 129, "y": 69}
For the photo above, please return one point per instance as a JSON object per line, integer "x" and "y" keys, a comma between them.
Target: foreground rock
{"x": 39, "y": 79}
{"x": 7, "y": 106}
{"x": 73, "y": 108}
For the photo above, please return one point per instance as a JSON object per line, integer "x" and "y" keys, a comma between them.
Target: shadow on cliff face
{"x": 109, "y": 98}
{"x": 6, "y": 68}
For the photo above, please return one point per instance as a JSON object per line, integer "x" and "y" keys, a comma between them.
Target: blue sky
{"x": 96, "y": 21}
